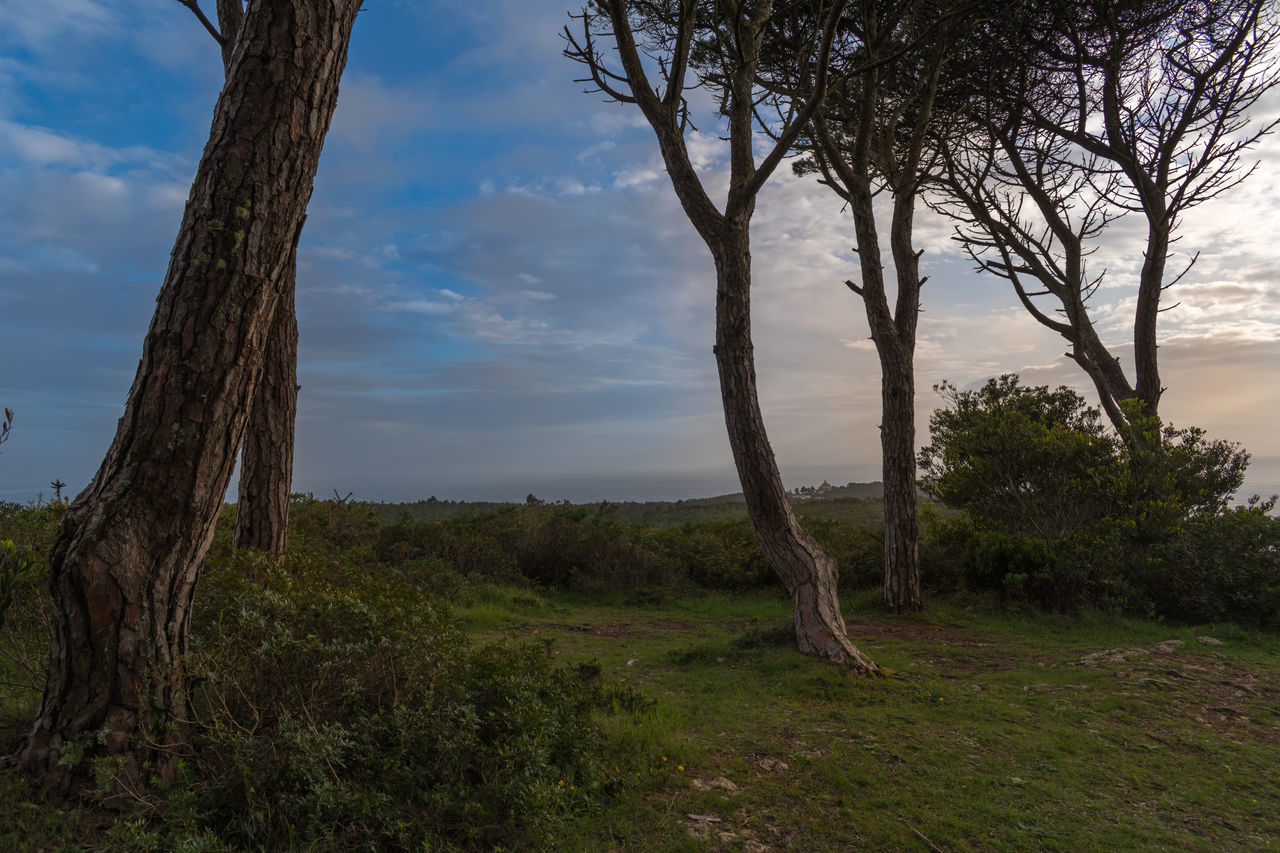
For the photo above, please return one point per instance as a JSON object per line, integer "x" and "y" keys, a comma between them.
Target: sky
{"x": 498, "y": 294}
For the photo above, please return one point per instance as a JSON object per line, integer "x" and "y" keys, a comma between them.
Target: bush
{"x": 1062, "y": 514}
{"x": 1221, "y": 567}
{"x": 26, "y": 609}
{"x": 344, "y": 712}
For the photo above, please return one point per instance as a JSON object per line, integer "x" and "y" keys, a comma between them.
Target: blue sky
{"x": 497, "y": 291}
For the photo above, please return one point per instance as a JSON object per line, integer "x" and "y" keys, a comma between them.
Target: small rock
{"x": 1209, "y": 641}
{"x": 633, "y": 661}
{"x": 770, "y": 765}
{"x": 726, "y": 836}
{"x": 756, "y": 847}
{"x": 1167, "y": 646}
{"x": 705, "y": 818}
{"x": 719, "y": 783}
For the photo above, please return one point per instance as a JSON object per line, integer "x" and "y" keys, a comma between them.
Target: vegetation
{"x": 340, "y": 705}
{"x": 1062, "y": 514}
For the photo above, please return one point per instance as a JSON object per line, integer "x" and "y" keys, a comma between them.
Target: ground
{"x": 989, "y": 732}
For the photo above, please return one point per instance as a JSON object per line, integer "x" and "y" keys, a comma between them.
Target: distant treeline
{"x": 856, "y": 504}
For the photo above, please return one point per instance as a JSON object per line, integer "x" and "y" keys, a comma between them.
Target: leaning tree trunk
{"x": 124, "y": 564}
{"x": 805, "y": 568}
{"x": 266, "y": 456}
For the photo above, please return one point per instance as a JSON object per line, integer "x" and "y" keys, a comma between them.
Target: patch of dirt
{"x": 629, "y": 629}
{"x": 957, "y": 651}
{"x": 1209, "y": 689}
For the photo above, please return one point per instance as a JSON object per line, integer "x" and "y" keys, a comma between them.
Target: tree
{"x": 1102, "y": 110}
{"x": 871, "y": 134}
{"x": 127, "y": 553}
{"x": 266, "y": 456}
{"x": 6, "y": 423}
{"x": 720, "y": 44}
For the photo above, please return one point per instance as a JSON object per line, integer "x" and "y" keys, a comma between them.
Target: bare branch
{"x": 194, "y": 6}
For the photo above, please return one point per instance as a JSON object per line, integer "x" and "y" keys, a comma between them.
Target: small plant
{"x": 12, "y": 566}
{"x": 5, "y": 424}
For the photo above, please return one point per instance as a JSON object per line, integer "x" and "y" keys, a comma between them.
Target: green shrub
{"x": 1222, "y": 567}
{"x": 717, "y": 555}
{"x": 347, "y": 711}
{"x": 26, "y": 609}
{"x": 858, "y": 551}
{"x": 1062, "y": 514}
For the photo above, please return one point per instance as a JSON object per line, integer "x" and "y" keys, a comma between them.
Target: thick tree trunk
{"x": 124, "y": 565}
{"x": 266, "y": 456}
{"x": 898, "y": 406}
{"x": 806, "y": 569}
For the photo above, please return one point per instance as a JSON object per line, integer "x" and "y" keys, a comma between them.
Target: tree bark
{"x": 898, "y": 429}
{"x": 805, "y": 568}
{"x": 266, "y": 456}
{"x": 892, "y": 330}
{"x": 127, "y": 554}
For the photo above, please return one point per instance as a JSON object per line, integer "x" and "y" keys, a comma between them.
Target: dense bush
{"x": 1221, "y": 566}
{"x": 1061, "y": 513}
{"x": 343, "y": 710}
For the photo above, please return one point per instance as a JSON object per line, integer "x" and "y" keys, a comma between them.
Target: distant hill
{"x": 849, "y": 490}
{"x": 854, "y": 503}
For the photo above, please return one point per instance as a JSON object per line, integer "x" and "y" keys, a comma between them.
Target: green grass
{"x": 991, "y": 733}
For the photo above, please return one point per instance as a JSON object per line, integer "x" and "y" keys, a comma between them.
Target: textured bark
{"x": 894, "y": 336}
{"x": 127, "y": 554}
{"x": 848, "y": 167}
{"x": 266, "y": 456}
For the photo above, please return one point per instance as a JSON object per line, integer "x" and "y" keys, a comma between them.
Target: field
{"x": 995, "y": 728}
{"x": 991, "y": 732}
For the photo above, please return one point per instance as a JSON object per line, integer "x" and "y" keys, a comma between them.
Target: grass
{"x": 992, "y": 732}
